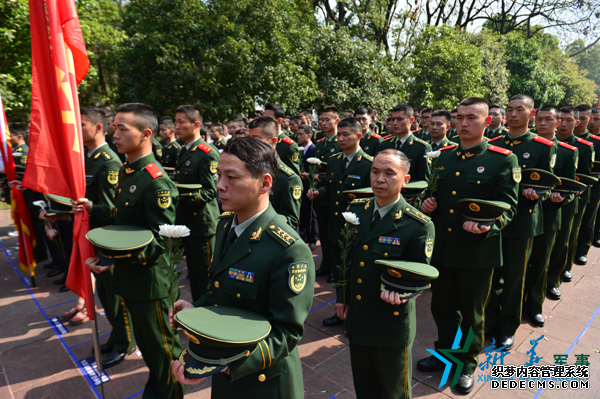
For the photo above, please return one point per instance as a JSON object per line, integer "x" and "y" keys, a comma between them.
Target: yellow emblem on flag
{"x": 164, "y": 198}
{"x": 298, "y": 276}
{"x": 113, "y": 176}
{"x": 213, "y": 166}
{"x": 297, "y": 192}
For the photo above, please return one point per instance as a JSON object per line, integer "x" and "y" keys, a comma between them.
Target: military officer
{"x": 423, "y": 132}
{"x": 370, "y": 141}
{"x": 171, "y": 148}
{"x": 110, "y": 131}
{"x": 382, "y": 334}
{"x": 157, "y": 149}
{"x": 216, "y": 134}
{"x": 287, "y": 149}
{"x": 286, "y": 192}
{"x": 594, "y": 129}
{"x": 459, "y": 295}
{"x": 20, "y": 149}
{"x": 452, "y": 133}
{"x": 260, "y": 265}
{"x": 503, "y": 314}
{"x": 346, "y": 170}
{"x": 438, "y": 127}
{"x": 496, "y": 128}
{"x": 547, "y": 119}
{"x": 146, "y": 197}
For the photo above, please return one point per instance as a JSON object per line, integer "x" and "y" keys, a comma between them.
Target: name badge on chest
{"x": 241, "y": 275}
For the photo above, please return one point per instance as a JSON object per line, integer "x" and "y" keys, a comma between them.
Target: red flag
{"x": 19, "y": 209}
{"x": 55, "y": 162}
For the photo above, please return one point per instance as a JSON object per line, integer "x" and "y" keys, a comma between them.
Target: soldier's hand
{"x": 178, "y": 372}
{"x": 556, "y": 197}
{"x": 92, "y": 263}
{"x": 317, "y": 178}
{"x": 304, "y": 175}
{"x": 312, "y": 193}
{"x": 341, "y": 310}
{"x": 77, "y": 206}
{"x": 475, "y": 228}
{"x": 531, "y": 194}
{"x": 179, "y": 306}
{"x": 392, "y": 298}
{"x": 429, "y": 205}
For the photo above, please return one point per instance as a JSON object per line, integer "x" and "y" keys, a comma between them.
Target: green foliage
{"x": 588, "y": 61}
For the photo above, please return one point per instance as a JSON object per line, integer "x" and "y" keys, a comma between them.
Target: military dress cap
{"x": 413, "y": 189}
{"x": 569, "y": 186}
{"x": 188, "y": 189}
{"x": 482, "y": 211}
{"x": 365, "y": 192}
{"x": 540, "y": 180}
{"x": 58, "y": 205}
{"x": 171, "y": 172}
{"x": 596, "y": 169}
{"x": 119, "y": 242}
{"x": 585, "y": 179}
{"x": 218, "y": 336}
{"x": 408, "y": 279}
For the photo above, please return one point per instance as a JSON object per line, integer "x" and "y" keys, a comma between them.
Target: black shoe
{"x": 63, "y": 289}
{"x": 567, "y": 276}
{"x": 332, "y": 321}
{"x": 596, "y": 243}
{"x": 508, "y": 340}
{"x": 60, "y": 281}
{"x": 50, "y": 265}
{"x": 553, "y": 293}
{"x": 429, "y": 364}
{"x": 580, "y": 260}
{"x": 538, "y": 319}
{"x": 322, "y": 272}
{"x": 54, "y": 272}
{"x": 115, "y": 358}
{"x": 105, "y": 349}
{"x": 330, "y": 278}
{"x": 466, "y": 382}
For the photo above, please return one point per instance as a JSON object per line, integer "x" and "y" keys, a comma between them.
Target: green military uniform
{"x": 370, "y": 143}
{"x": 157, "y": 149}
{"x": 536, "y": 278}
{"x": 415, "y": 149}
{"x": 506, "y": 300}
{"x": 146, "y": 197}
{"x": 461, "y": 291}
{"x": 423, "y": 135}
{"x": 198, "y": 165}
{"x": 324, "y": 149}
{"x": 380, "y": 128}
{"x": 441, "y": 144}
{"x": 340, "y": 178}
{"x": 102, "y": 171}
{"x": 286, "y": 195}
{"x": 532, "y": 128}
{"x": 267, "y": 270}
{"x": 289, "y": 153}
{"x": 452, "y": 135}
{"x": 220, "y": 144}
{"x": 170, "y": 154}
{"x": 20, "y": 154}
{"x": 493, "y": 133}
{"x": 586, "y": 231}
{"x": 381, "y": 334}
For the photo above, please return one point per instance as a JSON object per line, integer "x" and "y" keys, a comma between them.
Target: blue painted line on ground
{"x": 39, "y": 278}
{"x": 332, "y": 397}
{"x": 134, "y": 395}
{"x": 58, "y": 304}
{"x": 320, "y": 306}
{"x": 539, "y": 392}
{"x": 58, "y": 335}
{"x": 88, "y": 341}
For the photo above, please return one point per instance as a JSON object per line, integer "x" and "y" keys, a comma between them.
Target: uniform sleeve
{"x": 420, "y": 247}
{"x": 103, "y": 211}
{"x": 507, "y": 190}
{"x": 423, "y": 166}
{"x": 287, "y": 312}
{"x": 289, "y": 206}
{"x": 208, "y": 192}
{"x": 548, "y": 161}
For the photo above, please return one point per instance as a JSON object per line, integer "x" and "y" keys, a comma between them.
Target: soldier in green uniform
{"x": 346, "y": 170}
{"x": 216, "y": 134}
{"x": 423, "y": 132}
{"x": 594, "y": 129}
{"x": 382, "y": 334}
{"x": 560, "y": 259}
{"x": 260, "y": 265}
{"x": 197, "y": 164}
{"x": 295, "y": 122}
{"x": 286, "y": 192}
{"x": 110, "y": 131}
{"x": 146, "y": 197}
{"x": 496, "y": 128}
{"x": 102, "y": 171}
{"x": 438, "y": 127}
{"x": 156, "y": 149}
{"x": 547, "y": 119}
{"x": 403, "y": 140}
{"x": 584, "y": 239}
{"x": 171, "y": 148}
{"x": 503, "y": 314}
{"x": 472, "y": 169}
{"x": 453, "y": 133}
{"x": 20, "y": 149}
{"x": 287, "y": 149}
{"x": 370, "y": 141}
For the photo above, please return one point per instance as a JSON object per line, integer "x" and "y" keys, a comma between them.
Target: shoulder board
{"x": 226, "y": 214}
{"x": 368, "y": 157}
{"x": 418, "y": 140}
{"x": 359, "y": 201}
{"x": 542, "y": 140}
{"x": 582, "y": 141}
{"x": 388, "y": 137}
{"x": 593, "y": 136}
{"x": 280, "y": 236}
{"x": 499, "y": 150}
{"x": 448, "y": 147}
{"x": 570, "y": 147}
{"x": 415, "y": 131}
{"x": 154, "y": 170}
{"x": 378, "y": 136}
{"x": 288, "y": 140}
{"x": 335, "y": 155}
{"x": 417, "y": 215}
{"x": 205, "y": 148}
{"x": 286, "y": 170}
{"x": 318, "y": 141}
{"x": 495, "y": 138}
{"x": 106, "y": 156}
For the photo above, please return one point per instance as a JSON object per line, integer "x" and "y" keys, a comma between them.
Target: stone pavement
{"x": 36, "y": 361}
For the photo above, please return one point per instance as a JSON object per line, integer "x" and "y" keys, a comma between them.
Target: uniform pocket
{"x": 241, "y": 290}
{"x": 480, "y": 179}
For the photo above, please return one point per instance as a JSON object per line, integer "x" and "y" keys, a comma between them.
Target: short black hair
{"x": 192, "y": 113}
{"x": 307, "y": 129}
{"x": 570, "y": 110}
{"x": 17, "y": 130}
{"x": 218, "y": 127}
{"x": 595, "y": 110}
{"x": 258, "y": 156}
{"x": 145, "y": 116}
{"x": 266, "y": 124}
{"x": 524, "y": 97}
{"x": 168, "y": 122}
{"x": 352, "y": 123}
{"x": 444, "y": 114}
{"x": 502, "y": 110}
{"x": 426, "y": 111}
{"x": 296, "y": 119}
{"x": 475, "y": 101}
{"x": 94, "y": 115}
{"x": 333, "y": 109}
{"x": 277, "y": 109}
{"x": 373, "y": 111}
{"x": 455, "y": 110}
{"x": 203, "y": 132}
{"x": 550, "y": 108}
{"x": 584, "y": 108}
{"x": 407, "y": 109}
{"x": 361, "y": 111}
{"x": 404, "y": 161}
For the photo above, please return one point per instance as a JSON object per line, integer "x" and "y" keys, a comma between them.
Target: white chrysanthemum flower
{"x": 40, "y": 203}
{"x": 351, "y": 218}
{"x": 432, "y": 154}
{"x": 314, "y": 161}
{"x": 173, "y": 231}
{"x": 300, "y": 148}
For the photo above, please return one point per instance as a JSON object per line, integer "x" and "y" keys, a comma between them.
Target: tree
{"x": 588, "y": 60}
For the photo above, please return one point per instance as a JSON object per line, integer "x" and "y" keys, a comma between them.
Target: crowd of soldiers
{"x": 259, "y": 211}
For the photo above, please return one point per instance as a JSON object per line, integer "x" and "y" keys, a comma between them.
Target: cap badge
{"x": 394, "y": 273}
{"x": 474, "y": 207}
{"x": 191, "y": 337}
{"x": 480, "y": 169}
{"x": 535, "y": 176}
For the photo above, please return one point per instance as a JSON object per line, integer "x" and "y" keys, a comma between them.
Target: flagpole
{"x": 95, "y": 336}
{"x": 31, "y": 272}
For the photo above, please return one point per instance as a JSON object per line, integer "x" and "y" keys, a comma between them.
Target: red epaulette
{"x": 597, "y": 138}
{"x": 288, "y": 140}
{"x": 542, "y": 140}
{"x": 318, "y": 141}
{"x": 378, "y": 136}
{"x": 387, "y": 137}
{"x": 415, "y": 131}
{"x": 205, "y": 148}
{"x": 448, "y": 147}
{"x": 495, "y": 138}
{"x": 570, "y": 147}
{"x": 582, "y": 141}
{"x": 499, "y": 150}
{"x": 153, "y": 170}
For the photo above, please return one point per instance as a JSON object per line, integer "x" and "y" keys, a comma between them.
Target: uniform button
{"x": 453, "y": 192}
{"x": 338, "y": 192}
{"x": 177, "y": 172}
{"x": 119, "y": 191}
{"x": 396, "y": 313}
{"x": 358, "y": 297}
{"x": 195, "y": 213}
{"x": 362, "y": 264}
{"x": 365, "y": 247}
{"x": 336, "y": 214}
{"x": 385, "y": 254}
{"x": 238, "y": 295}
{"x": 216, "y": 284}
{"x": 457, "y": 173}
{"x": 449, "y": 229}
{"x": 451, "y": 210}
{"x": 478, "y": 182}
{"x": 262, "y": 378}
{"x": 337, "y": 203}
{"x": 531, "y": 210}
{"x": 341, "y": 182}
{"x": 359, "y": 281}
{"x": 127, "y": 203}
{"x": 272, "y": 226}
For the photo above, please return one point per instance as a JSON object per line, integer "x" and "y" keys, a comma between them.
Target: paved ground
{"x": 38, "y": 362}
